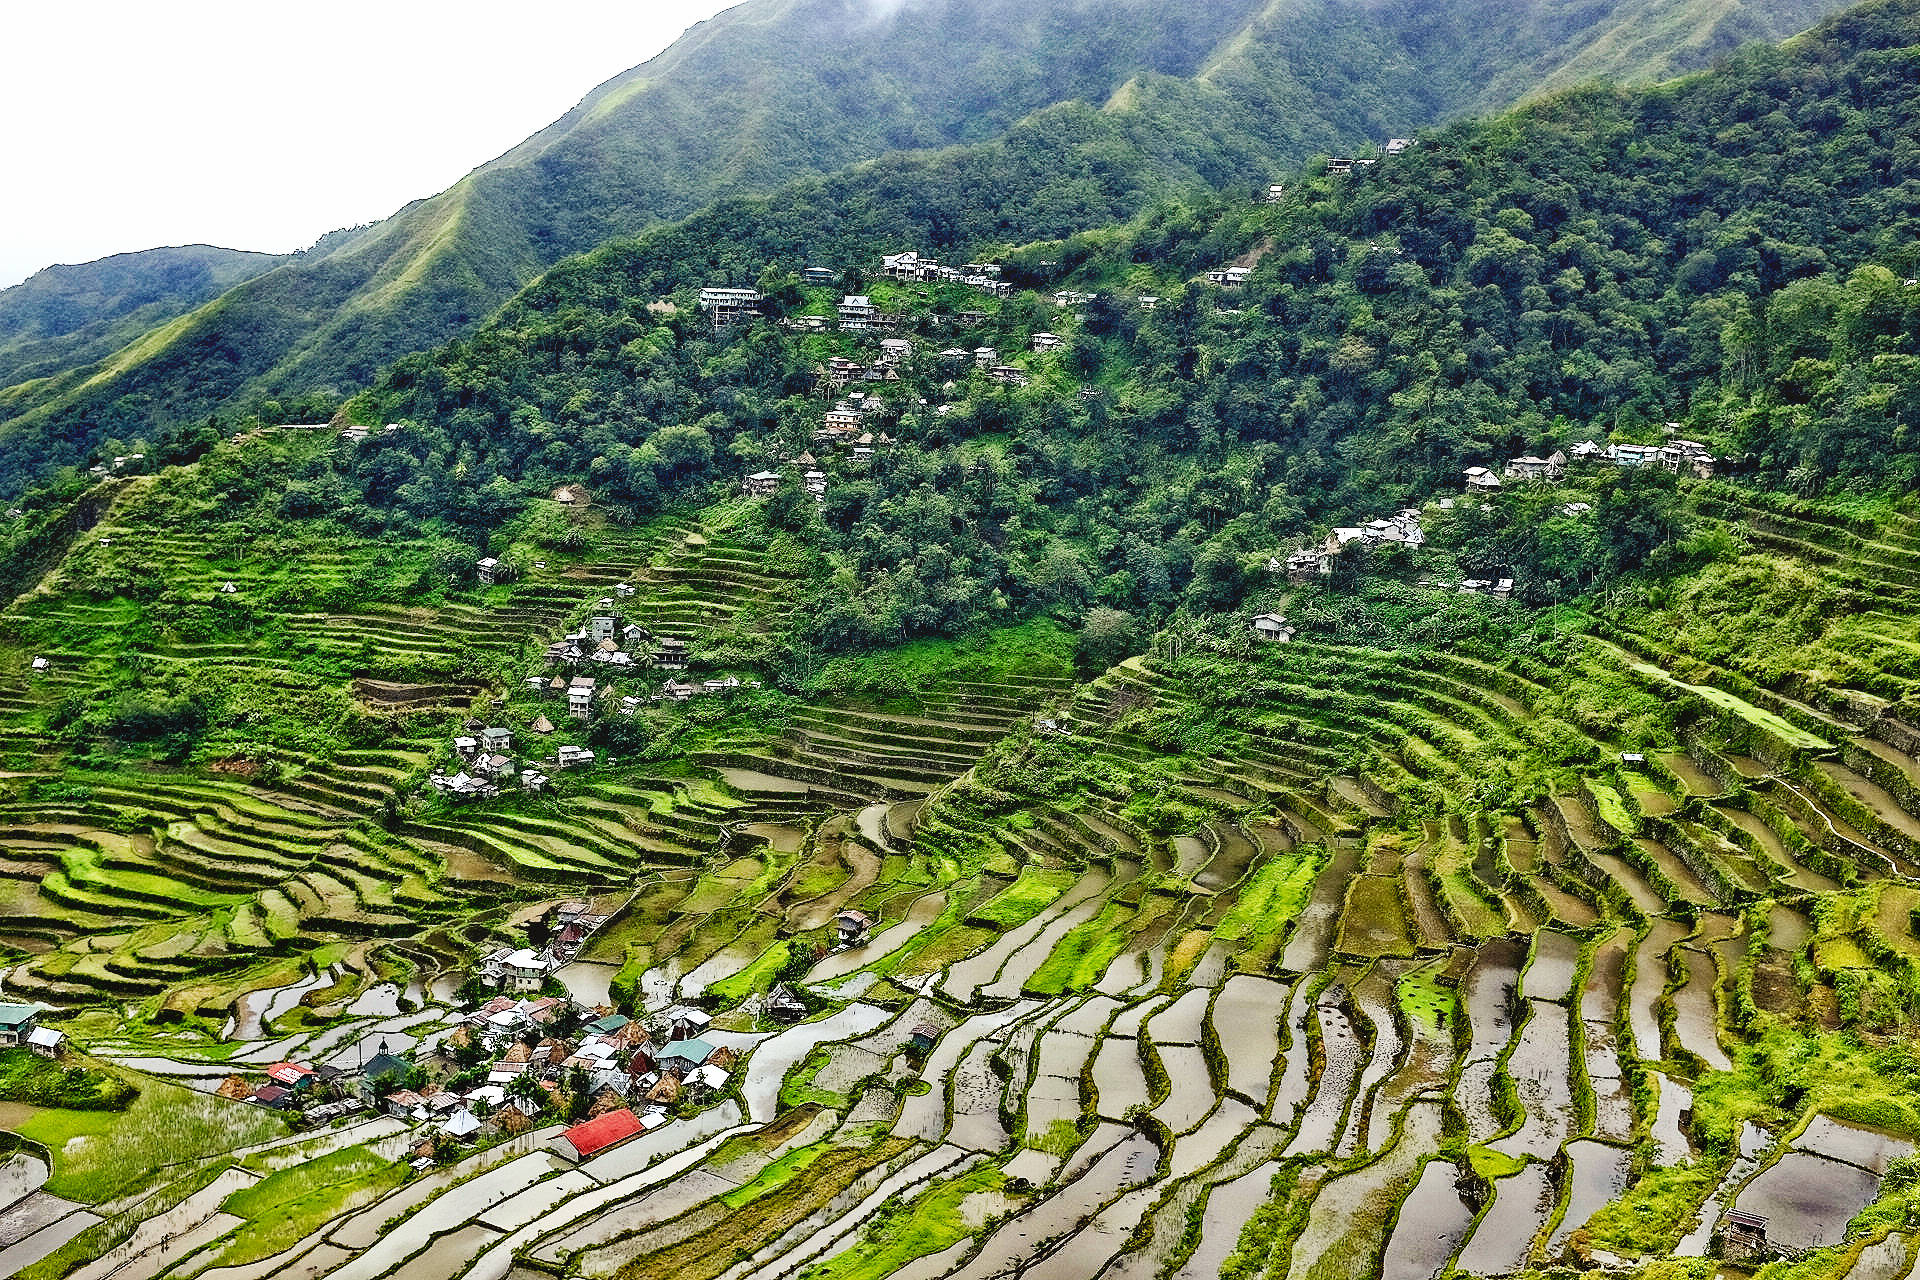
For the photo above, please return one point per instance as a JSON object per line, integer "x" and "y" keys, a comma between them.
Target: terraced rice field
{"x": 1315, "y": 983}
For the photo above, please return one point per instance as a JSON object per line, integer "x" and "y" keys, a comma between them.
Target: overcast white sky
{"x": 260, "y": 124}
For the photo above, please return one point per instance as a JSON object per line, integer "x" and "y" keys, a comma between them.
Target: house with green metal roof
{"x": 17, "y": 1022}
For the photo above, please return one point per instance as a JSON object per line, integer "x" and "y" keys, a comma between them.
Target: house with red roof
{"x": 291, "y": 1075}
{"x": 602, "y": 1133}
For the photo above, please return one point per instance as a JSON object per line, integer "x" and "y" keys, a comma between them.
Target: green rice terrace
{"x": 1593, "y": 942}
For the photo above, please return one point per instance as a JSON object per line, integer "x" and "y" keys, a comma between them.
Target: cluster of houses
{"x": 361, "y": 433}
{"x": 1307, "y": 563}
{"x": 634, "y": 1071}
{"x": 1347, "y": 164}
{"x": 609, "y": 641}
{"x": 485, "y": 767}
{"x": 530, "y": 1050}
{"x": 1498, "y": 588}
{"x": 524, "y": 969}
{"x": 847, "y": 422}
{"x": 1403, "y": 528}
{"x": 620, "y": 646}
{"x": 522, "y": 1054}
{"x": 120, "y": 463}
{"x": 911, "y": 268}
{"x": 840, "y": 371}
{"x": 1676, "y": 456}
{"x": 727, "y": 305}
{"x": 987, "y": 360}
{"x": 764, "y": 484}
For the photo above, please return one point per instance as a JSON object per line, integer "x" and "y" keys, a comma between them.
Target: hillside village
{"x": 518, "y": 1060}
{"x": 1317, "y": 561}
{"x": 609, "y": 665}
{"x": 1288, "y": 940}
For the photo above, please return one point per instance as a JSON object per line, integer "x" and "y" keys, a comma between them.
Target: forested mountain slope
{"x": 72, "y": 315}
{"x": 1729, "y": 252}
{"x": 1224, "y": 93}
{"x": 1041, "y": 913}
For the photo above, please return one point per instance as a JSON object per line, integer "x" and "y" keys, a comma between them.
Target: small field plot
{"x": 100, "y": 1154}
{"x": 1808, "y": 1199}
{"x": 1373, "y": 921}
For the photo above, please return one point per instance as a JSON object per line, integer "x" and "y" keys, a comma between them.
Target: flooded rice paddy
{"x": 1428, "y": 1043}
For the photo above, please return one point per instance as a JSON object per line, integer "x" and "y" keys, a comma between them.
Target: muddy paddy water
{"x": 1649, "y": 902}
{"x": 1127, "y": 1165}
{"x": 1340, "y": 1051}
{"x": 925, "y": 1115}
{"x": 966, "y": 978}
{"x": 1432, "y": 1223}
{"x": 1226, "y": 868}
{"x": 1229, "y": 1206}
{"x": 1808, "y": 1199}
{"x": 1649, "y": 980}
{"x": 1787, "y": 929}
{"x": 1565, "y": 906}
{"x": 1696, "y": 780}
{"x": 1246, "y": 1019}
{"x": 1550, "y": 972}
{"x": 1293, "y": 1087}
{"x": 47, "y": 1223}
{"x": 1118, "y": 1077}
{"x": 1775, "y": 851}
{"x": 924, "y": 911}
{"x": 1669, "y": 1139}
{"x": 1190, "y": 1094}
{"x": 1539, "y": 1067}
{"x": 21, "y": 1175}
{"x": 1868, "y": 1148}
{"x": 1374, "y": 995}
{"x": 1606, "y": 977}
{"x": 1347, "y": 1226}
{"x": 1883, "y": 1260}
{"x": 752, "y": 780}
{"x": 1190, "y": 853}
{"x": 381, "y": 1000}
{"x": 773, "y": 1058}
{"x": 1025, "y": 961}
{"x": 1180, "y": 1022}
{"x": 1374, "y": 922}
{"x": 1489, "y": 990}
{"x": 1695, "y": 1012}
{"x": 1504, "y": 1236}
{"x": 1312, "y": 940}
{"x": 1429, "y": 922}
{"x": 587, "y": 982}
{"x": 1596, "y": 1173}
{"x": 976, "y": 1102}
{"x": 255, "y": 1011}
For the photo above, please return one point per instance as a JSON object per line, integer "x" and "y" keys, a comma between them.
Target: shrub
{"x": 38, "y": 1082}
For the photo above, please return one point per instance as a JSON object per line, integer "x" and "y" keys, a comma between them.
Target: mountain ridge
{"x": 1270, "y": 83}
{"x": 77, "y": 312}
